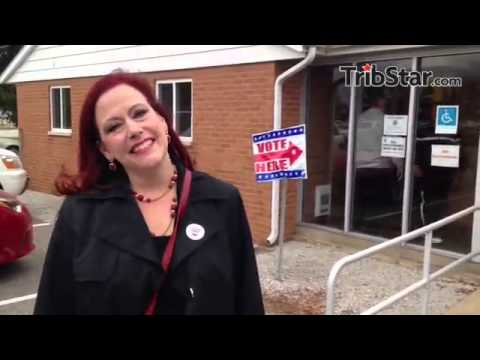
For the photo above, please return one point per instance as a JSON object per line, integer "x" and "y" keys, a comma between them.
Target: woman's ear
{"x": 103, "y": 150}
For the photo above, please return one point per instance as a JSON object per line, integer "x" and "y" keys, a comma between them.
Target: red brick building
{"x": 222, "y": 94}
{"x": 231, "y": 91}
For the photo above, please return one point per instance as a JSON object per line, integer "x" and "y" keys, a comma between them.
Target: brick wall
{"x": 229, "y": 104}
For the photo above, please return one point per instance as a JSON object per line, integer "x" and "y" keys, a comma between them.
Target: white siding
{"x": 47, "y": 46}
{"x": 332, "y": 50}
{"x": 49, "y": 62}
{"x": 58, "y": 51}
{"x": 298, "y": 48}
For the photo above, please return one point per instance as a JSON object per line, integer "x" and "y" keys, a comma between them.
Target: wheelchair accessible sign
{"x": 446, "y": 121}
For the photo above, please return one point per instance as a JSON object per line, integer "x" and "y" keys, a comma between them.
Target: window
{"x": 176, "y": 97}
{"x": 60, "y": 109}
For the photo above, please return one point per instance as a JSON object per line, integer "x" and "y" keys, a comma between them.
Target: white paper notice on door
{"x": 393, "y": 146}
{"x": 395, "y": 125}
{"x": 446, "y": 155}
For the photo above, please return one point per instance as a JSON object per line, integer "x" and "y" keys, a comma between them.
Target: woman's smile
{"x": 142, "y": 147}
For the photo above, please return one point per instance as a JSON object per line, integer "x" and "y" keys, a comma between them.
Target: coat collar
{"x": 204, "y": 189}
{"x": 122, "y": 225}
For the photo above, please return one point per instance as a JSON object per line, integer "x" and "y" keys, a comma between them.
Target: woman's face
{"x": 131, "y": 131}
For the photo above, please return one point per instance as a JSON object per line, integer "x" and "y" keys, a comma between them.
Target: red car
{"x": 16, "y": 231}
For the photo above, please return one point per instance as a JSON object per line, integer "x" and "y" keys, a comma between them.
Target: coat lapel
{"x": 201, "y": 210}
{"x": 123, "y": 226}
{"x": 198, "y": 215}
{"x": 119, "y": 221}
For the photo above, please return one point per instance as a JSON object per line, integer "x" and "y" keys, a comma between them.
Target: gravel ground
{"x": 306, "y": 266}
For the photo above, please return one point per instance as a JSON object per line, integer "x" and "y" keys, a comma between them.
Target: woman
{"x": 140, "y": 232}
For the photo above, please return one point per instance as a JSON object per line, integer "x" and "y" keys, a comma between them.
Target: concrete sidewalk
{"x": 469, "y": 306}
{"x": 43, "y": 207}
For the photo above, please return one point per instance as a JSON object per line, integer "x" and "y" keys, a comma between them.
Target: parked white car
{"x": 13, "y": 177}
{"x": 10, "y": 139}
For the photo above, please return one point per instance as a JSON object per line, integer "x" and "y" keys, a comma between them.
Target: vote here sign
{"x": 280, "y": 154}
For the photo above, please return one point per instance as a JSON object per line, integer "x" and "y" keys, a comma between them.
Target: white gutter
{"x": 16, "y": 63}
{"x": 277, "y": 124}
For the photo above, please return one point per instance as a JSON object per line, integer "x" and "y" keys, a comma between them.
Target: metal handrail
{"x": 427, "y": 277}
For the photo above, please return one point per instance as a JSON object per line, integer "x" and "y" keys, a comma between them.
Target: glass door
{"x": 379, "y": 154}
{"x": 446, "y": 161}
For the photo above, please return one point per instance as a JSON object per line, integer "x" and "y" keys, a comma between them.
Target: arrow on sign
{"x": 293, "y": 152}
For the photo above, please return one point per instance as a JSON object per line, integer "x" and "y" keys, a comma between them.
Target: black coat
{"x": 101, "y": 259}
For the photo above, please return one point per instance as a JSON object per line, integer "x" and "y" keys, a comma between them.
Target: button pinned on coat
{"x": 195, "y": 231}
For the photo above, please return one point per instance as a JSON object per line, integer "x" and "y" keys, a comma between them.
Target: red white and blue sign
{"x": 280, "y": 154}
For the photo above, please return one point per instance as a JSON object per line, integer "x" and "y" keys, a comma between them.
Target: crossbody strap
{"x": 168, "y": 254}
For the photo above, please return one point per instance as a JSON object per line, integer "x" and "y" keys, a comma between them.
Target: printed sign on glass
{"x": 393, "y": 146}
{"x": 446, "y": 155}
{"x": 395, "y": 125}
{"x": 446, "y": 121}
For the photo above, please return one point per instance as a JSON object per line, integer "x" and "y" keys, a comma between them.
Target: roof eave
{"x": 17, "y": 61}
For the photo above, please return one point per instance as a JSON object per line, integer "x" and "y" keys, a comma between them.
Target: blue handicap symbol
{"x": 447, "y": 116}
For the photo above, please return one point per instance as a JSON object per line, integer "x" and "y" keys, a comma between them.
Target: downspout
{"x": 277, "y": 124}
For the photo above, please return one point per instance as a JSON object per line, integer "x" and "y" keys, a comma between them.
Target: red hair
{"x": 92, "y": 165}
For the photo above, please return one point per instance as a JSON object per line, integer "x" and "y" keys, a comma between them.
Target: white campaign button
{"x": 195, "y": 231}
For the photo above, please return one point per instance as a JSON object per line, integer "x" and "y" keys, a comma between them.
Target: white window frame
{"x": 186, "y": 140}
{"x": 59, "y": 131}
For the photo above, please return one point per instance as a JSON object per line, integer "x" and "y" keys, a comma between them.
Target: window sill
{"x": 60, "y": 133}
{"x": 186, "y": 141}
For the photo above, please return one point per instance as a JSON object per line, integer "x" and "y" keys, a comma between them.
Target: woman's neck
{"x": 154, "y": 180}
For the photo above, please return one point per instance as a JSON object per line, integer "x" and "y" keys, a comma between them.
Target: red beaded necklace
{"x": 173, "y": 208}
